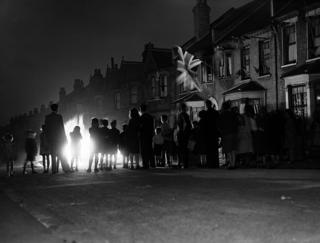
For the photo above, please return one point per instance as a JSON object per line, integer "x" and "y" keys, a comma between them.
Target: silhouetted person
{"x": 146, "y": 134}
{"x": 314, "y": 133}
{"x": 212, "y": 135}
{"x": 247, "y": 125}
{"x": 183, "y": 134}
{"x": 291, "y": 135}
{"x": 201, "y": 143}
{"x": 105, "y": 143}
{"x": 228, "y": 126}
{"x": 75, "y": 139}
{"x": 44, "y": 149}
{"x": 167, "y": 134}
{"x": 133, "y": 137}
{"x": 114, "y": 139}
{"x": 157, "y": 143}
{"x": 57, "y": 138}
{"x": 123, "y": 146}
{"x": 31, "y": 150}
{"x": 95, "y": 141}
{"x": 9, "y": 152}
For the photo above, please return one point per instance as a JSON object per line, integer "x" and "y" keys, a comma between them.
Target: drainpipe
{"x": 275, "y": 34}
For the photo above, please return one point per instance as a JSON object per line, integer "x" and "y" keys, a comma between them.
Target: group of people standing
{"x": 202, "y": 137}
{"x": 243, "y": 137}
{"x": 105, "y": 143}
{"x": 254, "y": 138}
{"x": 136, "y": 140}
{"x": 52, "y": 140}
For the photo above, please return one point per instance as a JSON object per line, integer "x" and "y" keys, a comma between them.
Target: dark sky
{"x": 46, "y": 44}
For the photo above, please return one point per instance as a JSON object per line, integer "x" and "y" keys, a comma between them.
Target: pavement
{"x": 162, "y": 205}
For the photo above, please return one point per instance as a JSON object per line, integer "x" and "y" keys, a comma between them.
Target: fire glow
{"x": 86, "y": 143}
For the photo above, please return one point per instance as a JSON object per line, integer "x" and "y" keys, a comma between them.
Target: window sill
{"x": 265, "y": 76}
{"x": 155, "y": 99}
{"x": 288, "y": 65}
{"x": 208, "y": 82}
{"x": 312, "y": 59}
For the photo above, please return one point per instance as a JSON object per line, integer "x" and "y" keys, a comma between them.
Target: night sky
{"x": 46, "y": 44}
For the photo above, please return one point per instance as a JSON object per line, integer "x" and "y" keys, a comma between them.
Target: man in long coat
{"x": 212, "y": 135}
{"x": 57, "y": 138}
{"x": 146, "y": 134}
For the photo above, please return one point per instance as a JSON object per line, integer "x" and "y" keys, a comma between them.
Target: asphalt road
{"x": 162, "y": 205}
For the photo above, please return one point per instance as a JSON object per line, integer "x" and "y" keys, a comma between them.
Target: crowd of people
{"x": 246, "y": 139}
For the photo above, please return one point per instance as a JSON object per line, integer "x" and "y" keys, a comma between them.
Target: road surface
{"x": 162, "y": 205}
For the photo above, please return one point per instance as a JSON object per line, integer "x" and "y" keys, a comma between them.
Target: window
{"x": 163, "y": 86}
{"x": 209, "y": 69}
{"x": 203, "y": 72}
{"x": 298, "y": 100}
{"x": 245, "y": 63}
{"x": 180, "y": 88}
{"x": 117, "y": 100}
{"x": 264, "y": 57}
{"x": 221, "y": 70}
{"x": 206, "y": 70}
{"x": 224, "y": 66}
{"x": 194, "y": 112}
{"x": 134, "y": 95}
{"x": 240, "y": 104}
{"x": 289, "y": 44}
{"x": 313, "y": 37}
{"x": 154, "y": 87}
{"x": 229, "y": 64}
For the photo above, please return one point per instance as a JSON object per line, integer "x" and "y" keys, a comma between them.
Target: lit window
{"x": 245, "y": 63}
{"x": 289, "y": 44}
{"x": 117, "y": 100}
{"x": 134, "y": 95}
{"x": 314, "y": 37}
{"x": 264, "y": 57}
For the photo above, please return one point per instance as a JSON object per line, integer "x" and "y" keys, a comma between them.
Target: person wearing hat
{"x": 57, "y": 139}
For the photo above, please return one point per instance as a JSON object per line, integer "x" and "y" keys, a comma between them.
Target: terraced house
{"x": 299, "y": 35}
{"x": 264, "y": 53}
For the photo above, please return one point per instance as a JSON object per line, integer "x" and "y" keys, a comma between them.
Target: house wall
{"x": 310, "y": 81}
{"x": 267, "y": 81}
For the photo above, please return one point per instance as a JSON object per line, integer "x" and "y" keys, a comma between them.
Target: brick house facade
{"x": 299, "y": 38}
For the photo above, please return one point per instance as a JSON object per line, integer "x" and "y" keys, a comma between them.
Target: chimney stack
{"x": 201, "y": 17}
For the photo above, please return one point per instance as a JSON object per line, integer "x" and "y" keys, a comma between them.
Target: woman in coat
{"x": 247, "y": 125}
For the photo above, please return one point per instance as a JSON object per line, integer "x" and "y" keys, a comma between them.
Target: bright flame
{"x": 86, "y": 144}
